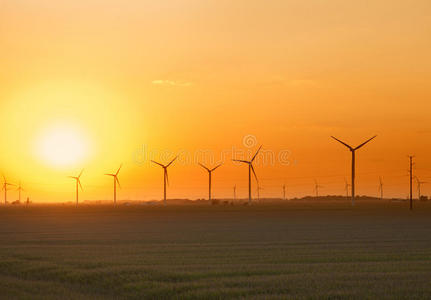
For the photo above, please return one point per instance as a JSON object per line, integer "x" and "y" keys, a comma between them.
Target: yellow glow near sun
{"x": 62, "y": 146}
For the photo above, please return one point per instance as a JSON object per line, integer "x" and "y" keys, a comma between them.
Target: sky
{"x": 94, "y": 84}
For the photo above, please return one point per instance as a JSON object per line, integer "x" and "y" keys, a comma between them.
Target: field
{"x": 292, "y": 250}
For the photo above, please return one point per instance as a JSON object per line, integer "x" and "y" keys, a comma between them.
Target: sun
{"x": 62, "y": 146}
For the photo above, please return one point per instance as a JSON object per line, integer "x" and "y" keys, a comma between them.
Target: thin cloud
{"x": 172, "y": 83}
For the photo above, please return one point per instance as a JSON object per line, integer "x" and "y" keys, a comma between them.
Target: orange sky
{"x": 192, "y": 76}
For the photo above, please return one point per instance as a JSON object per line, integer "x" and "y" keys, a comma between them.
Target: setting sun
{"x": 62, "y": 146}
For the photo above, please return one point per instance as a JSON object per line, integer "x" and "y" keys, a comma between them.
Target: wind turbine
{"x": 78, "y": 182}
{"x": 419, "y": 183}
{"x": 19, "y": 189}
{"x": 316, "y": 188}
{"x": 353, "y": 150}
{"x": 250, "y": 169}
{"x": 115, "y": 176}
{"x": 284, "y": 192}
{"x": 5, "y": 188}
{"x": 381, "y": 187}
{"x": 209, "y": 178}
{"x": 165, "y": 176}
{"x": 346, "y": 187}
{"x": 234, "y": 192}
{"x": 258, "y": 189}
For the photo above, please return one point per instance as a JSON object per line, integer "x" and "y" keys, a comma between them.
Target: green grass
{"x": 296, "y": 250}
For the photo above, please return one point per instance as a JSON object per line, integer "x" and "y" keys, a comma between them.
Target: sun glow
{"x": 62, "y": 146}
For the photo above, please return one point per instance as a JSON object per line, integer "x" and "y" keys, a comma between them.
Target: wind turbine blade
{"x": 257, "y": 152}
{"x": 204, "y": 167}
{"x": 254, "y": 173}
{"x": 348, "y": 146}
{"x": 167, "y": 177}
{"x": 80, "y": 173}
{"x": 80, "y": 185}
{"x": 367, "y": 141}
{"x": 213, "y": 169}
{"x": 172, "y": 161}
{"x": 118, "y": 171}
{"x": 110, "y": 174}
{"x": 243, "y": 161}
{"x": 118, "y": 181}
{"x": 158, "y": 163}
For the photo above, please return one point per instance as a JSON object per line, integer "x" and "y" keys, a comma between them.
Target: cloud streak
{"x": 171, "y": 83}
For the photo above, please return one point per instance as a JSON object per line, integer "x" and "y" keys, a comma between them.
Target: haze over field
{"x": 93, "y": 84}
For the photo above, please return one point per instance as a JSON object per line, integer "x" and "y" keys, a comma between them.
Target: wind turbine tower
{"x": 209, "y": 178}
{"x": 250, "y": 169}
{"x": 78, "y": 182}
{"x": 411, "y": 180}
{"x": 5, "y": 188}
{"x": 258, "y": 189}
{"x": 116, "y": 181}
{"x": 316, "y": 188}
{"x": 165, "y": 176}
{"x": 419, "y": 184}
{"x": 19, "y": 189}
{"x": 346, "y": 187}
{"x": 353, "y": 151}
{"x": 381, "y": 188}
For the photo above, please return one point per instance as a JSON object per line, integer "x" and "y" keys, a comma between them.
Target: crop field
{"x": 302, "y": 250}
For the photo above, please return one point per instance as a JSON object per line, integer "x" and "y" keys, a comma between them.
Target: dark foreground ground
{"x": 295, "y": 250}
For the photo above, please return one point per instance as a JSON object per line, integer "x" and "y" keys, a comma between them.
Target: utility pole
{"x": 411, "y": 181}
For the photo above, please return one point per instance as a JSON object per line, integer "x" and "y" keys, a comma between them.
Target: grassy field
{"x": 294, "y": 250}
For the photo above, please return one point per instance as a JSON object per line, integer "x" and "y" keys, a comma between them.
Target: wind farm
{"x": 273, "y": 149}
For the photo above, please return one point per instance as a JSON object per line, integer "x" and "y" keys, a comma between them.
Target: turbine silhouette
{"x": 165, "y": 176}
{"x": 353, "y": 150}
{"x": 381, "y": 188}
{"x": 258, "y": 189}
{"x": 5, "y": 188}
{"x": 116, "y": 181}
{"x": 234, "y": 192}
{"x": 250, "y": 169}
{"x": 419, "y": 184}
{"x": 78, "y": 182}
{"x": 284, "y": 192}
{"x": 209, "y": 178}
{"x": 19, "y": 189}
{"x": 346, "y": 187}
{"x": 316, "y": 188}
